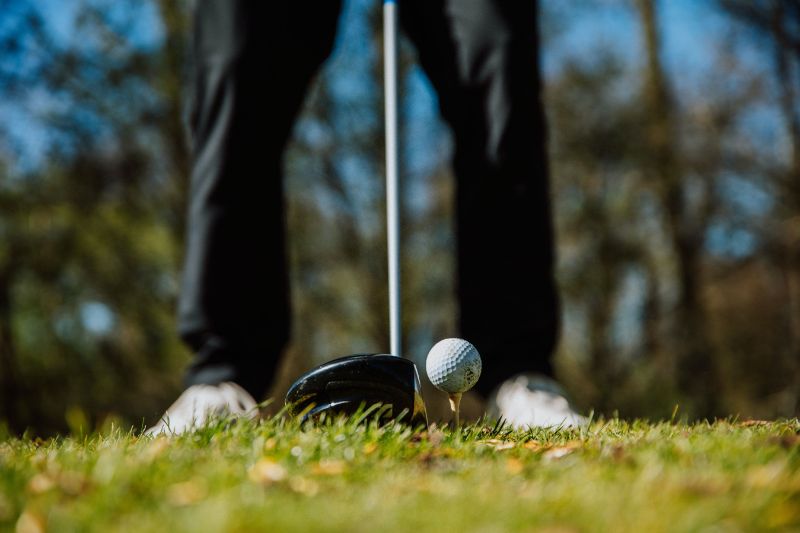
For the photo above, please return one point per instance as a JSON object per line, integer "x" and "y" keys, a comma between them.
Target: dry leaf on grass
{"x": 514, "y": 466}
{"x": 267, "y": 471}
{"x": 303, "y": 486}
{"x": 765, "y": 476}
{"x": 329, "y": 467}
{"x": 187, "y": 492}
{"x": 557, "y": 452}
{"x": 73, "y": 483}
{"x": 750, "y": 423}
{"x": 30, "y": 522}
{"x": 499, "y": 445}
{"x": 614, "y": 451}
{"x": 156, "y": 448}
{"x": 369, "y": 448}
{"x": 40, "y": 483}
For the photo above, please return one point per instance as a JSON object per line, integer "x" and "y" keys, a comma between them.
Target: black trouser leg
{"x": 253, "y": 61}
{"x": 482, "y": 58}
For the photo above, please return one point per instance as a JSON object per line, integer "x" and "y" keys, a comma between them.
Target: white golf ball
{"x": 453, "y": 365}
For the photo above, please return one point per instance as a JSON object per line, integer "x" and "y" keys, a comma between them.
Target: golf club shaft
{"x": 392, "y": 192}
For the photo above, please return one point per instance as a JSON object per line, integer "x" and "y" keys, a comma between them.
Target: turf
{"x": 349, "y": 475}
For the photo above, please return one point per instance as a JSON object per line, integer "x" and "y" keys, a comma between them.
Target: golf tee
{"x": 455, "y": 405}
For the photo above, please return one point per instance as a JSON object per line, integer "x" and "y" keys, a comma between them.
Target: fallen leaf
{"x": 40, "y": 483}
{"x": 427, "y": 459}
{"x": 29, "y": 522}
{"x": 557, "y": 452}
{"x": 615, "y": 451}
{"x": 303, "y": 486}
{"x": 266, "y": 472}
{"x": 156, "y": 448}
{"x": 514, "y": 466}
{"x": 329, "y": 467}
{"x": 534, "y": 445}
{"x": 369, "y": 448}
{"x": 750, "y": 423}
{"x": 764, "y": 476}
{"x": 73, "y": 483}
{"x": 499, "y": 444}
{"x": 187, "y": 492}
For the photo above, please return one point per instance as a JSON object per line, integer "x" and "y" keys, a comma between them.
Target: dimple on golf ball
{"x": 453, "y": 365}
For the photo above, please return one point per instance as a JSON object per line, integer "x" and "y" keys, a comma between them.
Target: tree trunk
{"x": 170, "y": 80}
{"x": 9, "y": 376}
{"x": 791, "y": 226}
{"x": 695, "y": 369}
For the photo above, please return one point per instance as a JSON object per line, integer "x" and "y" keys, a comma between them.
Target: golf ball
{"x": 453, "y": 365}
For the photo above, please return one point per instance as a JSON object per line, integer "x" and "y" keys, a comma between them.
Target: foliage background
{"x": 675, "y": 156}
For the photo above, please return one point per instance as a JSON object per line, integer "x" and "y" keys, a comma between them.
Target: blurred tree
{"x": 596, "y": 209}
{"x": 686, "y": 230}
{"x": 775, "y": 26}
{"x": 642, "y": 177}
{"x": 92, "y": 234}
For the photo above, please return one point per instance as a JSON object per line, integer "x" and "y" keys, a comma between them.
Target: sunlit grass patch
{"x": 348, "y": 476}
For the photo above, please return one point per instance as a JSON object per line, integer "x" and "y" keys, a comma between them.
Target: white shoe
{"x": 528, "y": 400}
{"x": 200, "y": 403}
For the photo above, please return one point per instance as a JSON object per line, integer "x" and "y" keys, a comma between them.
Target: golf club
{"x": 392, "y": 169}
{"x": 344, "y": 385}
{"x": 347, "y": 384}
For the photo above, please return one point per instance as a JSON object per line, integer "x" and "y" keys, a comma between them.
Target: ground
{"x": 348, "y": 475}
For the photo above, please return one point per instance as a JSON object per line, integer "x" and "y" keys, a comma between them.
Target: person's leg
{"x": 482, "y": 58}
{"x": 252, "y": 62}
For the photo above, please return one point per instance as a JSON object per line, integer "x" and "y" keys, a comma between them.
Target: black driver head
{"x": 346, "y": 384}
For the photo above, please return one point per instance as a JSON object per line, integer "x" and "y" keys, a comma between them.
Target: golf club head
{"x": 344, "y": 385}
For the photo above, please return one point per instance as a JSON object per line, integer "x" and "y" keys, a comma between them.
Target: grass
{"x": 349, "y": 476}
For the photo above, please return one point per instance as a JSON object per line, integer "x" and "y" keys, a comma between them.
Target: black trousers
{"x": 253, "y": 61}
